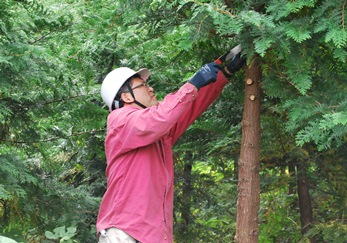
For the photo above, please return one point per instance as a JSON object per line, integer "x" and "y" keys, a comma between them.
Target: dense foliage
{"x": 54, "y": 55}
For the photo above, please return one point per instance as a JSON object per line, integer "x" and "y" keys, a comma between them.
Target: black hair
{"x": 124, "y": 89}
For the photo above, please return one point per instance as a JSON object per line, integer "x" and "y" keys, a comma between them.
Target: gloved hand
{"x": 236, "y": 63}
{"x": 206, "y": 75}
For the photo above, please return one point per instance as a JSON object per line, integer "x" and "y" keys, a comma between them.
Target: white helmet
{"x": 114, "y": 81}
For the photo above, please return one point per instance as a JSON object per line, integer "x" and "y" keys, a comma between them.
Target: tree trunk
{"x": 304, "y": 199}
{"x": 291, "y": 169}
{"x": 186, "y": 195}
{"x": 249, "y": 161}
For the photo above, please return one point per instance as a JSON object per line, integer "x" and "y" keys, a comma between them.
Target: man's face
{"x": 143, "y": 92}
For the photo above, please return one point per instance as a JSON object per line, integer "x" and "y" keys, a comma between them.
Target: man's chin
{"x": 155, "y": 103}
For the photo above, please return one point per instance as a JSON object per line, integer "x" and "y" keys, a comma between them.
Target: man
{"x": 138, "y": 203}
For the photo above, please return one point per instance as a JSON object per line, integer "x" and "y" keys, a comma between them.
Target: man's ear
{"x": 127, "y": 98}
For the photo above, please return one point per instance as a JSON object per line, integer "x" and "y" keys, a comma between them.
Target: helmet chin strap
{"x": 132, "y": 94}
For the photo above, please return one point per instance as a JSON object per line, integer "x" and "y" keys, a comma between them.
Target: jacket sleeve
{"x": 206, "y": 96}
{"x": 130, "y": 128}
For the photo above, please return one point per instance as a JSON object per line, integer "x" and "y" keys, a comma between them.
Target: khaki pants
{"x": 114, "y": 235}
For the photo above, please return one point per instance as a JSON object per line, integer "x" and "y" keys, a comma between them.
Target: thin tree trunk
{"x": 186, "y": 195}
{"x": 291, "y": 169}
{"x": 249, "y": 161}
{"x": 304, "y": 199}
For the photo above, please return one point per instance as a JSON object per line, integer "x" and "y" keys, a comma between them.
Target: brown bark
{"x": 249, "y": 161}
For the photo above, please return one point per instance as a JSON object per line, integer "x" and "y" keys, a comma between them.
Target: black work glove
{"x": 234, "y": 65}
{"x": 206, "y": 75}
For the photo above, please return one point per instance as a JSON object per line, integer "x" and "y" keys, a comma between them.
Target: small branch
{"x": 52, "y": 101}
{"x": 200, "y": 25}
{"x": 45, "y": 35}
{"x": 53, "y": 138}
{"x": 41, "y": 38}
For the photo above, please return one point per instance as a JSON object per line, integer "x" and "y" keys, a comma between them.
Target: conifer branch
{"x": 216, "y": 8}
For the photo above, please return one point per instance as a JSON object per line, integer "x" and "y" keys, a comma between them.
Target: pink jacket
{"x": 140, "y": 171}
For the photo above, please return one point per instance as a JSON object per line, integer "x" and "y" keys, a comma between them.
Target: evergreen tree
{"x": 54, "y": 55}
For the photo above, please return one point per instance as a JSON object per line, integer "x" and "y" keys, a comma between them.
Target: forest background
{"x": 55, "y": 54}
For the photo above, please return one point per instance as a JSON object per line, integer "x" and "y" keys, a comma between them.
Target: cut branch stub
{"x": 252, "y": 97}
{"x": 249, "y": 81}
